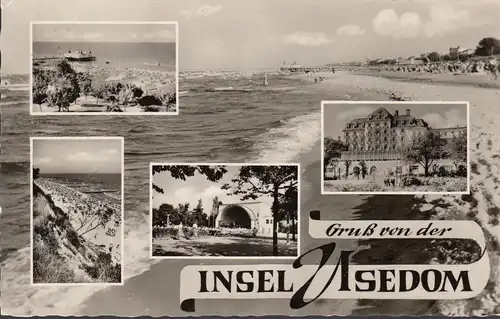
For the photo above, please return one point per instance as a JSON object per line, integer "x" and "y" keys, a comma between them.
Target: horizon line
{"x": 75, "y": 41}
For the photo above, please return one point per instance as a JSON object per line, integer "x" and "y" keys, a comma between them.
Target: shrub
{"x": 411, "y": 181}
{"x": 442, "y": 172}
{"x": 349, "y": 187}
{"x": 73, "y": 238}
{"x": 461, "y": 171}
{"x": 189, "y": 232}
{"x": 104, "y": 270}
{"x": 48, "y": 267}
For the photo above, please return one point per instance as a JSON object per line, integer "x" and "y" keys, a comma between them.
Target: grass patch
{"x": 48, "y": 266}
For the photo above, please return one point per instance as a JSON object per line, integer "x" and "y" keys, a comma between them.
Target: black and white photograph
{"x": 399, "y": 147}
{"x": 77, "y": 210}
{"x": 228, "y": 210}
{"x": 252, "y": 76}
{"x": 88, "y": 67}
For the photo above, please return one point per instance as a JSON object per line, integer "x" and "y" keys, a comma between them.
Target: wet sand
{"x": 155, "y": 292}
{"x": 162, "y": 280}
{"x": 482, "y": 80}
{"x": 134, "y": 298}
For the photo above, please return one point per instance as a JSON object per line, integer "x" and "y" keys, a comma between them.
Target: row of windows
{"x": 374, "y": 147}
{"x": 382, "y": 125}
{"x": 379, "y": 117}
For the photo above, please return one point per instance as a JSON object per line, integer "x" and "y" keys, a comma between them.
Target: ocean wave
{"x": 295, "y": 136}
{"x": 20, "y": 298}
{"x": 13, "y": 103}
{"x": 248, "y": 90}
{"x": 14, "y": 167}
{"x": 16, "y": 88}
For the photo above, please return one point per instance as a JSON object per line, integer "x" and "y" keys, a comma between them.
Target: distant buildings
{"x": 457, "y": 52}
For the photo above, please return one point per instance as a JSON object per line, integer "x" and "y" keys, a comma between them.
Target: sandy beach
{"x": 60, "y": 203}
{"x": 155, "y": 278}
{"x": 136, "y": 291}
{"x": 150, "y": 81}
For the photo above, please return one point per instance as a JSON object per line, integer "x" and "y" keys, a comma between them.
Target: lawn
{"x": 222, "y": 246}
{"x": 426, "y": 184}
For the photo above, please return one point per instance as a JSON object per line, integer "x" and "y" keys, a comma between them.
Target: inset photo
{"x": 127, "y": 68}
{"x": 77, "y": 210}
{"x": 395, "y": 147}
{"x": 224, "y": 210}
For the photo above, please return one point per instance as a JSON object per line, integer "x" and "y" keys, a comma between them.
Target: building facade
{"x": 380, "y": 138}
{"x": 246, "y": 215}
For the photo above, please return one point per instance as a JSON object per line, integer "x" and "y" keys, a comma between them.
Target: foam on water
{"x": 14, "y": 103}
{"x": 296, "y": 136}
{"x": 18, "y": 88}
{"x": 21, "y": 299}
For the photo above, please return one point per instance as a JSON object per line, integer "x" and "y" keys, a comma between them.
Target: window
{"x": 402, "y": 130}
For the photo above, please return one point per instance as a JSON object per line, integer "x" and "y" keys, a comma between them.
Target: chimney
{"x": 339, "y": 138}
{"x": 396, "y": 113}
{"x": 408, "y": 112}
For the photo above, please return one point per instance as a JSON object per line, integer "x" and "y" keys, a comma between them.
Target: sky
{"x": 336, "y": 116}
{"x": 78, "y": 156}
{"x": 103, "y": 32}
{"x": 249, "y": 34}
{"x": 177, "y": 191}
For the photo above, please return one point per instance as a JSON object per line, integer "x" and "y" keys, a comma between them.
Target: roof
{"x": 450, "y": 128}
{"x": 380, "y": 110}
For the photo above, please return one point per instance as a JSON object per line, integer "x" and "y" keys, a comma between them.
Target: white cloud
{"x": 111, "y": 151}
{"x": 92, "y": 36}
{"x": 203, "y": 11}
{"x": 191, "y": 196}
{"x": 81, "y": 156}
{"x": 207, "y": 10}
{"x": 444, "y": 17}
{"x": 450, "y": 118}
{"x": 163, "y": 35}
{"x": 43, "y": 160}
{"x": 186, "y": 13}
{"x": 307, "y": 39}
{"x": 353, "y": 113}
{"x": 388, "y": 23}
{"x": 350, "y": 30}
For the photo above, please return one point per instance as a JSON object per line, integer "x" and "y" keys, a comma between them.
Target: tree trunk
{"x": 275, "y": 220}
{"x": 293, "y": 228}
{"x": 288, "y": 228}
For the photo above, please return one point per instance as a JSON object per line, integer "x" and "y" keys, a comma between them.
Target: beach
{"x": 71, "y": 220}
{"x": 149, "y": 81}
{"x": 263, "y": 130}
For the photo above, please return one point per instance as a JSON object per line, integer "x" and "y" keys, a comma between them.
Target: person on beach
{"x": 195, "y": 230}
{"x": 265, "y": 80}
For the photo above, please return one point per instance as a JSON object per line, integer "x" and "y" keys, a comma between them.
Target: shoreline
{"x": 113, "y": 299}
{"x": 470, "y": 80}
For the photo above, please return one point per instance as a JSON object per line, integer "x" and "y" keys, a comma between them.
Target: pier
{"x": 306, "y": 69}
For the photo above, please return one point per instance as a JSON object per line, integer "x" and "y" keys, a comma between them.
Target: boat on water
{"x": 79, "y": 56}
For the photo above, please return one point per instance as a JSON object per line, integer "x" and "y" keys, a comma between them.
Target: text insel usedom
{"x": 380, "y": 281}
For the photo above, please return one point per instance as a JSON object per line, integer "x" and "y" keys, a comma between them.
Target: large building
{"x": 379, "y": 139}
{"x": 246, "y": 215}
